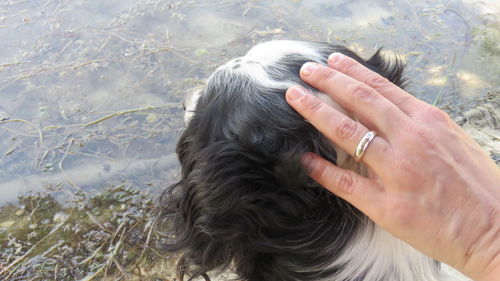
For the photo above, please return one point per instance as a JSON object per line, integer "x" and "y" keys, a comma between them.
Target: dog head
{"x": 243, "y": 199}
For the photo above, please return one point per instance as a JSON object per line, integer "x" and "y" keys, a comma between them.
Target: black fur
{"x": 243, "y": 199}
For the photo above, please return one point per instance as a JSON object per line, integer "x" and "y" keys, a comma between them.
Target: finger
{"x": 361, "y": 192}
{"x": 336, "y": 126}
{"x": 399, "y": 97}
{"x": 370, "y": 107}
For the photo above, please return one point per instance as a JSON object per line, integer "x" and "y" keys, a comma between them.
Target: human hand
{"x": 429, "y": 183}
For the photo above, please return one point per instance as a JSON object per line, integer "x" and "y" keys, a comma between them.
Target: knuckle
{"x": 320, "y": 171}
{"x": 417, "y": 134}
{"x": 407, "y": 167}
{"x": 325, "y": 75}
{"x": 362, "y": 93}
{"x": 378, "y": 81}
{"x": 346, "y": 129}
{"x": 428, "y": 140}
{"x": 436, "y": 114}
{"x": 425, "y": 137}
{"x": 344, "y": 181}
{"x": 385, "y": 153}
{"x": 407, "y": 126}
{"x": 405, "y": 100}
{"x": 312, "y": 104}
{"x": 399, "y": 212}
{"x": 348, "y": 65}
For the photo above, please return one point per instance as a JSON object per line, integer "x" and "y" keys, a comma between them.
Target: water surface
{"x": 91, "y": 92}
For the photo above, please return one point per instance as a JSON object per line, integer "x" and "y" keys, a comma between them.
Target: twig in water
{"x": 119, "y": 113}
{"x": 40, "y": 134}
{"x": 448, "y": 74}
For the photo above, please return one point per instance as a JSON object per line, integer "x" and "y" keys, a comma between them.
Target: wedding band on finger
{"x": 363, "y": 144}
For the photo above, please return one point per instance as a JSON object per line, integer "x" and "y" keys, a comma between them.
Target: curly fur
{"x": 244, "y": 201}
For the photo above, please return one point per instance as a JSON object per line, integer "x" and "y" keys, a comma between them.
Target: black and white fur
{"x": 244, "y": 202}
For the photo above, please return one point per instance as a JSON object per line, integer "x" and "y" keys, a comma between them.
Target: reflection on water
{"x": 91, "y": 91}
{"x": 94, "y": 88}
{"x": 64, "y": 65}
{"x": 91, "y": 96}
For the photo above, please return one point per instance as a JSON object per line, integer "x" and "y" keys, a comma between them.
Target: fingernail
{"x": 306, "y": 160}
{"x": 308, "y": 68}
{"x": 296, "y": 93}
{"x": 335, "y": 58}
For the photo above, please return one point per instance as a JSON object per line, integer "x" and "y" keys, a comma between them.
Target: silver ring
{"x": 363, "y": 144}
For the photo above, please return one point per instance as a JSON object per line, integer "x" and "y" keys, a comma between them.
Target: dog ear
{"x": 236, "y": 204}
{"x": 218, "y": 206}
{"x": 392, "y": 69}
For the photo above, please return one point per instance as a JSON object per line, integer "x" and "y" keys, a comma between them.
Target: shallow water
{"x": 64, "y": 65}
{"x": 91, "y": 92}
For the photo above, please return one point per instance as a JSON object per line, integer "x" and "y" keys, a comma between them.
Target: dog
{"x": 245, "y": 203}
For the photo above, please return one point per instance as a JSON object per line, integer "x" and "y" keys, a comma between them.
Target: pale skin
{"x": 429, "y": 183}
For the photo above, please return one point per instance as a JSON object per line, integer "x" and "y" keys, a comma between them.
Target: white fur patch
{"x": 269, "y": 53}
{"x": 378, "y": 255}
{"x": 266, "y": 54}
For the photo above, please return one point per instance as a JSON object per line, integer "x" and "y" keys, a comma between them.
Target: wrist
{"x": 494, "y": 275}
{"x": 487, "y": 267}
{"x": 482, "y": 256}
